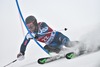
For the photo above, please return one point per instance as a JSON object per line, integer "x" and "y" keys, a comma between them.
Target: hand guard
{"x": 20, "y": 56}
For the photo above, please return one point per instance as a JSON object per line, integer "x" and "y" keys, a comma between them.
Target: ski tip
{"x": 42, "y": 60}
{"x": 70, "y": 55}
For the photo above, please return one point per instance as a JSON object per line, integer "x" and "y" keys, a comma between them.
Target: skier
{"x": 54, "y": 40}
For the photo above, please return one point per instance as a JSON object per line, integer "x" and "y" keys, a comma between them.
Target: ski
{"x": 57, "y": 57}
{"x": 49, "y": 59}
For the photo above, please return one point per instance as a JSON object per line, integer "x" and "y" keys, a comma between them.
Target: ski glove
{"x": 20, "y": 56}
{"x": 36, "y": 36}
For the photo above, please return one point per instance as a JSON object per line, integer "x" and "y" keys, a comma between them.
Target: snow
{"x": 90, "y": 60}
{"x": 81, "y": 17}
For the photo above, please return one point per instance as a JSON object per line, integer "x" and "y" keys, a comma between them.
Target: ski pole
{"x": 65, "y": 29}
{"x": 11, "y": 62}
{"x": 51, "y": 32}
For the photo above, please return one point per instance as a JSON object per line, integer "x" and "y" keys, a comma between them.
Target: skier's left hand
{"x": 20, "y": 56}
{"x": 36, "y": 36}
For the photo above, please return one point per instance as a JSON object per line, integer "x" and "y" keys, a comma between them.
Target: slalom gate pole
{"x": 27, "y": 27}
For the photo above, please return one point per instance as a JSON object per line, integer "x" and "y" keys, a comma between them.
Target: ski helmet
{"x": 30, "y": 19}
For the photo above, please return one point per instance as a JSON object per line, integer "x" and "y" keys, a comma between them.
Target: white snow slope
{"x": 91, "y": 60}
{"x": 81, "y": 17}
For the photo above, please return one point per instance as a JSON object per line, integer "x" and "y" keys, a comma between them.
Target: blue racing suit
{"x": 45, "y": 35}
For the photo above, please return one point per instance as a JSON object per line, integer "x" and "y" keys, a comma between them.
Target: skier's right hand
{"x": 20, "y": 56}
